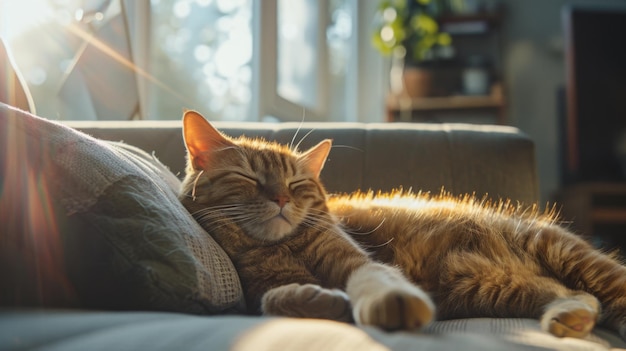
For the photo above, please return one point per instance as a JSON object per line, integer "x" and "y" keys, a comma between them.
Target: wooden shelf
{"x": 479, "y": 23}
{"x": 493, "y": 18}
{"x": 401, "y": 103}
{"x": 477, "y": 44}
{"x": 396, "y": 102}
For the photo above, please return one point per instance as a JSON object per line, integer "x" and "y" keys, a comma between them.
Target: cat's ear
{"x": 201, "y": 139}
{"x": 314, "y": 158}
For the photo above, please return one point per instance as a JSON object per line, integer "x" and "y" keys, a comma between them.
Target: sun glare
{"x": 17, "y": 16}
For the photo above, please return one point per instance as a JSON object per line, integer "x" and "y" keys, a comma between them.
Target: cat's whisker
{"x": 318, "y": 212}
{"x": 347, "y": 147}
{"x": 210, "y": 220}
{"x": 317, "y": 224}
{"x": 369, "y": 246}
{"x": 304, "y": 137}
{"x": 293, "y": 139}
{"x": 355, "y": 231}
{"x": 222, "y": 221}
{"x": 223, "y": 209}
{"x": 314, "y": 226}
{"x": 228, "y": 213}
{"x": 219, "y": 207}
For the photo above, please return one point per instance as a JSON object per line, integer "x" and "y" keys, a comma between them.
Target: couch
{"x": 96, "y": 253}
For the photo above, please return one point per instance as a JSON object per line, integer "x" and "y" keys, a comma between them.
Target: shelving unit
{"x": 464, "y": 24}
{"x": 473, "y": 34}
{"x": 402, "y": 108}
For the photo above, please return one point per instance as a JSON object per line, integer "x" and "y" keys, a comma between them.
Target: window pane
{"x": 202, "y": 53}
{"x": 73, "y": 56}
{"x": 297, "y": 51}
{"x": 339, "y": 35}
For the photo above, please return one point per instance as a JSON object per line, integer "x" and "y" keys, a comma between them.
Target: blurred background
{"x": 556, "y": 69}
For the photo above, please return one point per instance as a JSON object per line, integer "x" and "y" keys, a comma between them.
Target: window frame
{"x": 265, "y": 67}
{"x": 364, "y": 76}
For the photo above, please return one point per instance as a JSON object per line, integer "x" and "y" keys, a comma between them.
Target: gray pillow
{"x": 97, "y": 224}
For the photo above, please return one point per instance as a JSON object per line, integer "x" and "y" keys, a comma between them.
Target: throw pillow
{"x": 97, "y": 224}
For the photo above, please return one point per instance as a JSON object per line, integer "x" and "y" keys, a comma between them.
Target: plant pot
{"x": 417, "y": 81}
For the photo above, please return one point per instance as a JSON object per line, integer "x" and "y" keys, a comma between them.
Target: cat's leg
{"x": 474, "y": 285}
{"x": 383, "y": 297}
{"x": 307, "y": 301}
{"x": 579, "y": 266}
{"x": 573, "y": 316}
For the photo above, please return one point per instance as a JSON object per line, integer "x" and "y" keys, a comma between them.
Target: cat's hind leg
{"x": 573, "y": 316}
{"x": 307, "y": 301}
{"x": 579, "y": 266}
{"x": 474, "y": 285}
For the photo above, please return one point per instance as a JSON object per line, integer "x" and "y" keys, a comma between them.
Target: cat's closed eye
{"x": 247, "y": 177}
{"x": 297, "y": 183}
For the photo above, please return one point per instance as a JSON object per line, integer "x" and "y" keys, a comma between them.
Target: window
{"x": 202, "y": 53}
{"x": 255, "y": 60}
{"x": 299, "y": 51}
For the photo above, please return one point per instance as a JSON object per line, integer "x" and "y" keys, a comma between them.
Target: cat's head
{"x": 265, "y": 187}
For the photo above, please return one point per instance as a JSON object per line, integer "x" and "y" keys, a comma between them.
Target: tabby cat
{"x": 302, "y": 253}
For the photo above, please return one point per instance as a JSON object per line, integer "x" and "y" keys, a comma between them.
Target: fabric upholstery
{"x": 94, "y": 331}
{"x": 496, "y": 161}
{"x": 100, "y": 226}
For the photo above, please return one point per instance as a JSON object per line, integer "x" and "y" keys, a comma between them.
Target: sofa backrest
{"x": 497, "y": 161}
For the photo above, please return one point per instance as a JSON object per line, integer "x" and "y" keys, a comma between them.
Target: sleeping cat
{"x": 301, "y": 253}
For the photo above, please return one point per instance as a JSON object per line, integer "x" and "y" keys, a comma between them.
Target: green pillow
{"x": 96, "y": 224}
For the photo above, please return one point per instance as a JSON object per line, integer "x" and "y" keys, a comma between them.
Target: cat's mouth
{"x": 278, "y": 226}
{"x": 280, "y": 221}
{"x": 282, "y": 216}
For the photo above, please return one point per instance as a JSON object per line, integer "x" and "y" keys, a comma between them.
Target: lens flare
{"x": 30, "y": 241}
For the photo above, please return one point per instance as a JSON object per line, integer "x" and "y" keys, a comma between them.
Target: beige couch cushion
{"x": 98, "y": 224}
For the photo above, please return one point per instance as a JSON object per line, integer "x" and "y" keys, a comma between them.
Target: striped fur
{"x": 481, "y": 259}
{"x": 302, "y": 253}
{"x": 265, "y": 206}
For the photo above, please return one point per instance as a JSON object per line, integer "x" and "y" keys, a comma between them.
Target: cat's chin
{"x": 275, "y": 229}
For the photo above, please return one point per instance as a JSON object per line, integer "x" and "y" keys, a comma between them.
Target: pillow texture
{"x": 97, "y": 224}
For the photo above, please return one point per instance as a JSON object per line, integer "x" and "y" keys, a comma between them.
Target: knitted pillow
{"x": 97, "y": 224}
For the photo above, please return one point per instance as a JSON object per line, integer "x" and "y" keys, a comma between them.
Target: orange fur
{"x": 298, "y": 250}
{"x": 483, "y": 259}
{"x": 265, "y": 206}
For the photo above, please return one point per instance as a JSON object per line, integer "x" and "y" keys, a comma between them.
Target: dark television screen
{"x": 595, "y": 123}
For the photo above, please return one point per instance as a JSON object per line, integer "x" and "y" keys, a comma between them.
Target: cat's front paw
{"x": 307, "y": 301}
{"x": 395, "y": 309}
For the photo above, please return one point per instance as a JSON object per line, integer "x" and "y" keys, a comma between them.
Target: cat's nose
{"x": 281, "y": 200}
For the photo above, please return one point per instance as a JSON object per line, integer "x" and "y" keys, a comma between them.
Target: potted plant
{"x": 408, "y": 32}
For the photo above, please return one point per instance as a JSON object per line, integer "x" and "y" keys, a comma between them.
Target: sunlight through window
{"x": 20, "y": 16}
{"x": 198, "y": 54}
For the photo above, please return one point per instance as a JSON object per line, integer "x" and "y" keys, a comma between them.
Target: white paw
{"x": 395, "y": 309}
{"x": 574, "y": 317}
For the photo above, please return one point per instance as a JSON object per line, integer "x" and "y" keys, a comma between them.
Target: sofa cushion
{"x": 98, "y": 224}
{"x": 156, "y": 331}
